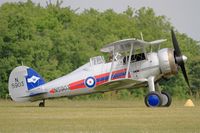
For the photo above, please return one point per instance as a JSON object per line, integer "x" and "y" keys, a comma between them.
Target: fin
{"x": 21, "y": 81}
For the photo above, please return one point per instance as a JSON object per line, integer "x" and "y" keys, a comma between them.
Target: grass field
{"x": 112, "y": 116}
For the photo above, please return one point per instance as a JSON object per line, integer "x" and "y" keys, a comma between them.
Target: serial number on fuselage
{"x": 60, "y": 89}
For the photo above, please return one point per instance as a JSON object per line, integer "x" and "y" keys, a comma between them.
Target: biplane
{"x": 130, "y": 66}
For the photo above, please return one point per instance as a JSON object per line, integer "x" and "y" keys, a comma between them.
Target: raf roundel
{"x": 90, "y": 82}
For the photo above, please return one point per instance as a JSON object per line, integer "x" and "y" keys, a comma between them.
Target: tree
{"x": 55, "y": 40}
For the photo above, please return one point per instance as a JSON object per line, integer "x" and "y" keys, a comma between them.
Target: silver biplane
{"x": 130, "y": 67}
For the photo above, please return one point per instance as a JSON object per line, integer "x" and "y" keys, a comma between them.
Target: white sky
{"x": 183, "y": 14}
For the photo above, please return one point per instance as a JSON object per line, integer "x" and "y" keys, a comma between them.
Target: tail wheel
{"x": 166, "y": 99}
{"x": 153, "y": 99}
{"x": 42, "y": 104}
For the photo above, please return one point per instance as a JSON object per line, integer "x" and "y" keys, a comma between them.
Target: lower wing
{"x": 119, "y": 84}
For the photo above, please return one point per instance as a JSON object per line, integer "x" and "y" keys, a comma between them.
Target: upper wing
{"x": 125, "y": 45}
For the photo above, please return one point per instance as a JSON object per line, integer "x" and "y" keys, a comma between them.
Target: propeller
{"x": 179, "y": 58}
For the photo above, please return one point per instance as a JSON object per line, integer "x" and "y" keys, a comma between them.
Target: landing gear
{"x": 42, "y": 104}
{"x": 153, "y": 99}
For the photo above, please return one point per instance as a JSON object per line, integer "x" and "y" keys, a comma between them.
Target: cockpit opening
{"x": 134, "y": 58}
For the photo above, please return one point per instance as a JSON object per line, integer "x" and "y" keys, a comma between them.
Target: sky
{"x": 183, "y": 14}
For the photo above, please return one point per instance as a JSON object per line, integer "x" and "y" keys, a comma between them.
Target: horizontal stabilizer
{"x": 36, "y": 92}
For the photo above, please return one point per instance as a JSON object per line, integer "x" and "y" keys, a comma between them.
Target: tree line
{"x": 55, "y": 40}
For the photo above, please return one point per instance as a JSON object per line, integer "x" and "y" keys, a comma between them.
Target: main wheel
{"x": 166, "y": 99}
{"x": 153, "y": 99}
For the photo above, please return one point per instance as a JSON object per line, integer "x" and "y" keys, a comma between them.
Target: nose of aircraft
{"x": 184, "y": 58}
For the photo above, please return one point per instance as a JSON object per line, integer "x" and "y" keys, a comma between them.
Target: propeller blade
{"x": 185, "y": 74}
{"x": 175, "y": 44}
{"x": 179, "y": 58}
{"x": 186, "y": 77}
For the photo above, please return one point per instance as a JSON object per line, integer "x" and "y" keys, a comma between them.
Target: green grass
{"x": 112, "y": 116}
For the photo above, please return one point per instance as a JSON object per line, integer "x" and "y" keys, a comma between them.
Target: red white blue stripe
{"x": 91, "y": 82}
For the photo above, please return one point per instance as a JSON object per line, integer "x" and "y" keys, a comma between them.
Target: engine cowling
{"x": 167, "y": 62}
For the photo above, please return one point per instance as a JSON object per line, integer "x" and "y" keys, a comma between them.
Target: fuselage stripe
{"x": 100, "y": 79}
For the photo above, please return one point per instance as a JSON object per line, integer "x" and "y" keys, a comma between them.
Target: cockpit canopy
{"x": 97, "y": 60}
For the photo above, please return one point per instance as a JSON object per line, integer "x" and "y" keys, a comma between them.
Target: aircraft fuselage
{"x": 87, "y": 78}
